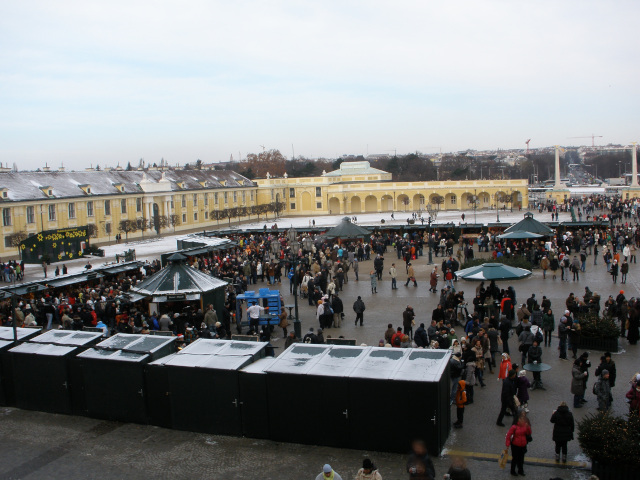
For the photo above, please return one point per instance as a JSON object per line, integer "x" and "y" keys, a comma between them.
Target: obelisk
{"x": 634, "y": 166}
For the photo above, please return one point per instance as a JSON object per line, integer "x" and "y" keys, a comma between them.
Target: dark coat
{"x": 421, "y": 338}
{"x": 509, "y": 389}
{"x": 563, "y": 426}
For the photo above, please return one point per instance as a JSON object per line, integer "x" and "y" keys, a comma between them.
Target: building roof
{"x": 31, "y": 185}
{"x": 531, "y": 225}
{"x": 346, "y": 229}
{"x": 178, "y": 278}
{"x": 354, "y": 168}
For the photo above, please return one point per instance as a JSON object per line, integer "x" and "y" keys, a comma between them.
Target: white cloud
{"x": 198, "y": 78}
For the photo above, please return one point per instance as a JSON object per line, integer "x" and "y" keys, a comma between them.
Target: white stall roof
{"x": 43, "y": 349}
{"x": 203, "y": 346}
{"x": 118, "y": 341}
{"x": 95, "y": 353}
{"x": 299, "y": 358}
{"x": 66, "y": 337}
{"x": 5, "y": 343}
{"x": 135, "y": 343}
{"x": 6, "y": 333}
{"x": 259, "y": 366}
{"x": 117, "y": 355}
{"x": 380, "y": 363}
{"x": 423, "y": 365}
{"x": 339, "y": 361}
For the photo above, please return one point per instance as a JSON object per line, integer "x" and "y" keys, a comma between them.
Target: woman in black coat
{"x": 563, "y": 427}
{"x": 633, "y": 332}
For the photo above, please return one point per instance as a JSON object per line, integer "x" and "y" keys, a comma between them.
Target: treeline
{"x": 403, "y": 168}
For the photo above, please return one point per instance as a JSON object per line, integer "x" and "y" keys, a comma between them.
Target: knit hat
{"x": 327, "y": 468}
{"x": 522, "y": 373}
{"x": 604, "y": 372}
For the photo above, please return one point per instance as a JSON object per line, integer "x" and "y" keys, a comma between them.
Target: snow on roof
{"x": 28, "y": 185}
{"x": 354, "y": 168}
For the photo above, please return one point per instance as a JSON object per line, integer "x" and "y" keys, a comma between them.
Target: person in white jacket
{"x": 368, "y": 471}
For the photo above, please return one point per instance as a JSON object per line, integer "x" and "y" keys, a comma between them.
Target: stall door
{"x": 115, "y": 391}
{"x": 255, "y": 405}
{"x": 373, "y": 404}
{"x": 158, "y": 396}
{"x": 333, "y": 396}
{"x": 422, "y": 401}
{"x": 192, "y": 399}
{"x": 227, "y": 403}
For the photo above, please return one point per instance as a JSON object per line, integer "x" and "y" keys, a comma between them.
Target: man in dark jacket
{"x": 505, "y": 328}
{"x": 563, "y": 428}
{"x": 338, "y": 308}
{"x": 606, "y": 363}
{"x": 407, "y": 320}
{"x": 535, "y": 356}
{"x": 509, "y": 389}
{"x": 358, "y": 307}
{"x": 378, "y": 266}
{"x": 421, "y": 337}
{"x": 419, "y": 465}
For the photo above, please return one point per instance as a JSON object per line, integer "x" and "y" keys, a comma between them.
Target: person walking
{"x": 563, "y": 426}
{"x": 374, "y": 281}
{"x": 518, "y": 437}
{"x": 328, "y": 473}
{"x": 548, "y": 326}
{"x": 419, "y": 464}
{"x": 461, "y": 400}
{"x": 602, "y": 389}
{"x": 394, "y": 276}
{"x": 433, "y": 280}
{"x": 509, "y": 390}
{"x": 578, "y": 385}
{"x": 544, "y": 265}
{"x": 368, "y": 471}
{"x": 614, "y": 271}
{"x": 359, "y": 308}
{"x": 624, "y": 269}
{"x": 411, "y": 275}
{"x": 408, "y": 321}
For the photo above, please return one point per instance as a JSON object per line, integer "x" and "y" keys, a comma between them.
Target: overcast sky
{"x": 109, "y": 82}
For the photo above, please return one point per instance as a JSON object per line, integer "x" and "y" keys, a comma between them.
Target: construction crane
{"x": 592, "y": 137}
{"x": 527, "y": 142}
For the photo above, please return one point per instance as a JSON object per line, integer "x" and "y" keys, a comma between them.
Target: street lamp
{"x": 495, "y": 199}
{"x": 433, "y": 214}
{"x": 295, "y": 262}
{"x": 307, "y": 244}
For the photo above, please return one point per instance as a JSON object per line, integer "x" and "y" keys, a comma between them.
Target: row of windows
{"x": 71, "y": 207}
{"x": 292, "y": 192}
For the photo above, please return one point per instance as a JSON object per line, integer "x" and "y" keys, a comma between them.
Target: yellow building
{"x": 163, "y": 201}
{"x": 356, "y": 187}
{"x": 187, "y": 200}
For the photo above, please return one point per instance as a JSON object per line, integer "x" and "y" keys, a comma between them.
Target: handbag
{"x": 529, "y": 439}
{"x": 516, "y": 401}
{"x": 504, "y": 456}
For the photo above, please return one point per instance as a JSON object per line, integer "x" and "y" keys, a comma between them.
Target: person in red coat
{"x": 517, "y": 439}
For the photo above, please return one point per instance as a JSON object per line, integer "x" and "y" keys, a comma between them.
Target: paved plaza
{"x": 35, "y": 445}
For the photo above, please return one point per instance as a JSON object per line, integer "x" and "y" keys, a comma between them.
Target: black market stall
{"x": 203, "y": 386}
{"x": 42, "y": 372}
{"x": 113, "y": 374}
{"x": 7, "y": 394}
{"x": 178, "y": 285}
{"x": 351, "y": 386}
{"x": 312, "y": 379}
{"x": 253, "y": 392}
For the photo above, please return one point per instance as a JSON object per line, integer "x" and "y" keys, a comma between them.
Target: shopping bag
{"x": 504, "y": 456}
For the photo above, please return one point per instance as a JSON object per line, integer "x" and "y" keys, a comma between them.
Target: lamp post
{"x": 495, "y": 199}
{"x": 295, "y": 262}
{"x": 433, "y": 214}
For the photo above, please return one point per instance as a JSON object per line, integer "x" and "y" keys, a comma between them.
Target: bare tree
{"x": 126, "y": 227}
{"x": 437, "y": 200}
{"x": 172, "y": 221}
{"x": 15, "y": 239}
